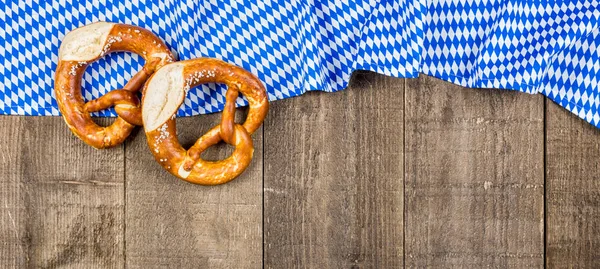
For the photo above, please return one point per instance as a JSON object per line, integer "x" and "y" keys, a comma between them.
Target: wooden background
{"x": 389, "y": 173}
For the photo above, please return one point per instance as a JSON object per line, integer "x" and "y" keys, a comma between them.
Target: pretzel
{"x": 86, "y": 44}
{"x": 163, "y": 95}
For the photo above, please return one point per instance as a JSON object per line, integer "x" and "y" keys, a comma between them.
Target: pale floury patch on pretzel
{"x": 167, "y": 94}
{"x": 163, "y": 95}
{"x": 86, "y": 44}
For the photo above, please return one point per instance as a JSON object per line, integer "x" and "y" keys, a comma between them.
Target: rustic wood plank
{"x": 334, "y": 177}
{"x": 572, "y": 190}
{"x": 61, "y": 201}
{"x": 175, "y": 224}
{"x": 474, "y": 177}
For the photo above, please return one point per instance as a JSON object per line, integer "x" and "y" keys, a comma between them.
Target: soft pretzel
{"x": 86, "y": 44}
{"x": 163, "y": 95}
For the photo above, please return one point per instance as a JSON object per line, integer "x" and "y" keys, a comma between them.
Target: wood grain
{"x": 61, "y": 201}
{"x": 474, "y": 177}
{"x": 572, "y": 190}
{"x": 334, "y": 177}
{"x": 175, "y": 224}
{"x": 334, "y": 191}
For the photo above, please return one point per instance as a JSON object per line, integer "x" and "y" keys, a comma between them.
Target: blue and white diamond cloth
{"x": 293, "y": 46}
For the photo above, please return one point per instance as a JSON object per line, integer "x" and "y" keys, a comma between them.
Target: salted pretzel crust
{"x": 87, "y": 44}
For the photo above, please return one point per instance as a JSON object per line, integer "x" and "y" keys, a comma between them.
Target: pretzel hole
{"x": 217, "y": 152}
{"x": 96, "y": 79}
{"x": 190, "y": 129}
{"x": 104, "y": 121}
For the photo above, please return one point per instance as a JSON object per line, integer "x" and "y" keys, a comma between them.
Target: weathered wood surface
{"x": 474, "y": 177}
{"x": 334, "y": 178}
{"x": 61, "y": 201}
{"x": 378, "y": 175}
{"x": 572, "y": 191}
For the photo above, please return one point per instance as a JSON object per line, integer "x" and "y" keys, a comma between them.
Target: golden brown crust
{"x": 187, "y": 164}
{"x": 76, "y": 112}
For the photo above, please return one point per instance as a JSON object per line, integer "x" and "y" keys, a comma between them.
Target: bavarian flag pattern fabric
{"x": 536, "y": 46}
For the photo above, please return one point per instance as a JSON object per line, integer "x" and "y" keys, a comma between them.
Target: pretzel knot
{"x": 86, "y": 44}
{"x": 163, "y": 95}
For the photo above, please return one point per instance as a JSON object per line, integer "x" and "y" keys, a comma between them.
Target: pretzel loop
{"x": 163, "y": 95}
{"x": 87, "y": 44}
